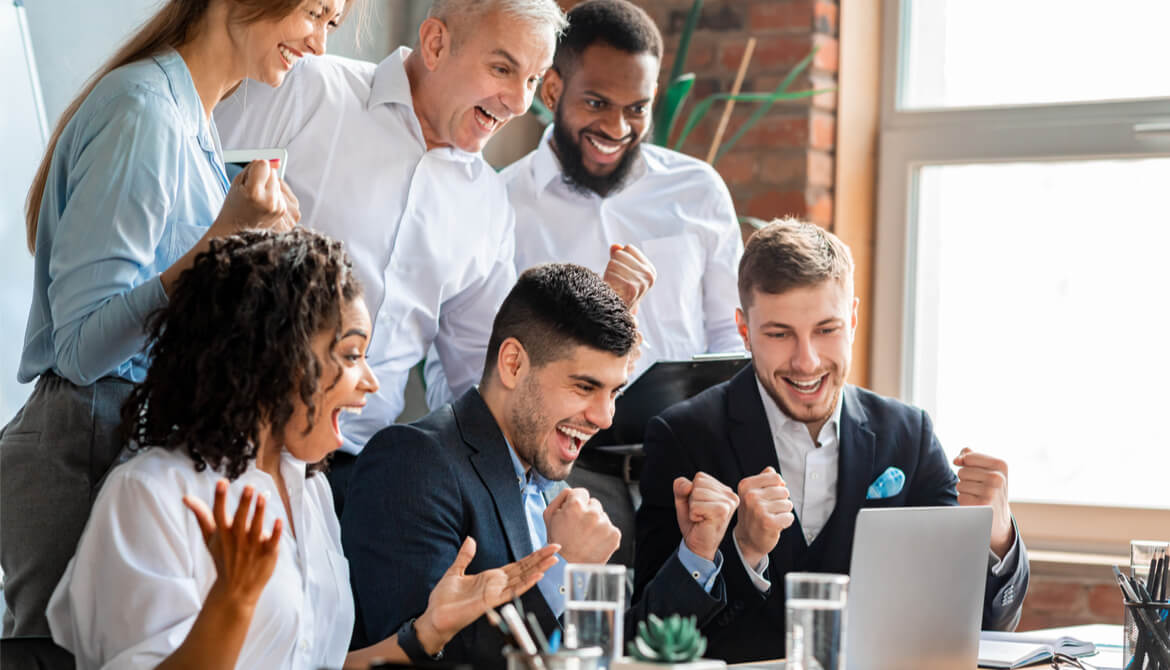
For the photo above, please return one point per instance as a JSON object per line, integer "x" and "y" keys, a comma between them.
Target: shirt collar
{"x": 391, "y": 86}
{"x": 187, "y": 97}
{"x": 546, "y": 167}
{"x": 778, "y": 420}
{"x": 524, "y": 479}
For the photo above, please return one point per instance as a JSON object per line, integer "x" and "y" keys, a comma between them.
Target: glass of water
{"x": 815, "y": 620}
{"x": 595, "y": 605}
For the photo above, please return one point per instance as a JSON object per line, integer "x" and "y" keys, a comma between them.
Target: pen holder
{"x": 586, "y": 658}
{"x": 1146, "y": 648}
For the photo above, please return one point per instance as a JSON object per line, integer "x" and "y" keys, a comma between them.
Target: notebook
{"x": 1013, "y": 650}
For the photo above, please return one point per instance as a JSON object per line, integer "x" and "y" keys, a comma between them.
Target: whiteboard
{"x": 23, "y": 137}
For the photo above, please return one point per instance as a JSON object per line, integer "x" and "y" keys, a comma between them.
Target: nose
{"x": 804, "y": 358}
{"x": 316, "y": 40}
{"x": 600, "y": 411}
{"x": 615, "y": 123}
{"x": 369, "y": 380}
{"x": 516, "y": 97}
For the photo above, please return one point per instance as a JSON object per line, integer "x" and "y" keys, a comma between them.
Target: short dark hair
{"x": 234, "y": 345}
{"x": 557, "y": 306}
{"x": 788, "y": 254}
{"x": 618, "y": 23}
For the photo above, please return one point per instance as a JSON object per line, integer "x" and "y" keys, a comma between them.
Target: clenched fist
{"x": 983, "y": 480}
{"x": 576, "y": 521}
{"x": 765, "y": 510}
{"x": 704, "y": 507}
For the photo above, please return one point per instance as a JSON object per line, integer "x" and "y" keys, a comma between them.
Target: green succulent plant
{"x": 675, "y": 640}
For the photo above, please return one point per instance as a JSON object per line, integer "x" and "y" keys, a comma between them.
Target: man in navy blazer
{"x": 806, "y": 451}
{"x": 491, "y": 466}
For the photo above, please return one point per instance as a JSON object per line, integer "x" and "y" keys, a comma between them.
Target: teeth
{"x": 603, "y": 148}
{"x": 575, "y": 434}
{"x": 807, "y": 386}
{"x": 352, "y": 410}
{"x": 492, "y": 121}
{"x": 288, "y": 55}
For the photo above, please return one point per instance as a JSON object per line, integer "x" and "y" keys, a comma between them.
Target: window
{"x": 1023, "y": 219}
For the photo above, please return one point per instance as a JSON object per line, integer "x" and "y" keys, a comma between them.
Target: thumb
{"x": 557, "y": 502}
{"x": 959, "y": 459}
{"x": 202, "y": 515}
{"x": 682, "y": 494}
{"x": 463, "y": 558}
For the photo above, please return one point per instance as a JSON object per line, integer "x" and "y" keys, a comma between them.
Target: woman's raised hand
{"x": 459, "y": 599}
{"x": 258, "y": 198}
{"x": 244, "y": 557}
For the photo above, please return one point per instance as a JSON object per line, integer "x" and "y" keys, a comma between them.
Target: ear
{"x": 853, "y": 318}
{"x": 552, "y": 88}
{"x": 741, "y": 325}
{"x": 511, "y": 363}
{"x": 434, "y": 42}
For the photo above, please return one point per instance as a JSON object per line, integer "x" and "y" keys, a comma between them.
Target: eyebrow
{"x": 503, "y": 53}
{"x": 595, "y": 94}
{"x": 354, "y": 331}
{"x": 822, "y": 322}
{"x": 593, "y": 381}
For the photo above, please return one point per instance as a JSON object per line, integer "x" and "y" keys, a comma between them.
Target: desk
{"x": 1107, "y": 637}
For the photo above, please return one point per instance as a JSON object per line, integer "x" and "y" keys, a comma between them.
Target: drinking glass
{"x": 815, "y": 620}
{"x": 1141, "y": 552}
{"x": 595, "y": 605}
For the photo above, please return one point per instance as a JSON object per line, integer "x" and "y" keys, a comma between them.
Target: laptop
{"x": 917, "y": 578}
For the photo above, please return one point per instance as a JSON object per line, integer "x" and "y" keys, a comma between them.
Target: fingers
{"x": 683, "y": 488}
{"x": 556, "y": 503}
{"x": 240, "y": 522}
{"x": 272, "y": 544}
{"x": 202, "y": 516}
{"x": 256, "y": 531}
{"x": 974, "y": 459}
{"x": 220, "y": 504}
{"x": 768, "y": 479}
{"x": 292, "y": 205}
{"x": 463, "y": 558}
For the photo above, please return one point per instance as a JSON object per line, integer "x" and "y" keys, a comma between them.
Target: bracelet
{"x": 408, "y": 640}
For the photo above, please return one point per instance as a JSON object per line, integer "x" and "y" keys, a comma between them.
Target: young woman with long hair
{"x": 131, "y": 188}
{"x": 260, "y": 349}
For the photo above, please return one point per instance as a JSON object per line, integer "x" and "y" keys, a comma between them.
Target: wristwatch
{"x": 408, "y": 640}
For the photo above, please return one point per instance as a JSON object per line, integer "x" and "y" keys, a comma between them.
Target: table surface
{"x": 1107, "y": 637}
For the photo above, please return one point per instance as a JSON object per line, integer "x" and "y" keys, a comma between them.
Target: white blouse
{"x": 141, "y": 571}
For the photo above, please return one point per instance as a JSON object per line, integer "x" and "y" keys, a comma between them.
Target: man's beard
{"x": 528, "y": 423}
{"x": 573, "y": 170}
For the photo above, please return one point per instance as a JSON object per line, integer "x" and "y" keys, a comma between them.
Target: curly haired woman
{"x": 260, "y": 348}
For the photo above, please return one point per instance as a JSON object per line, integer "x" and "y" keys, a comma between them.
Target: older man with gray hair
{"x": 386, "y": 157}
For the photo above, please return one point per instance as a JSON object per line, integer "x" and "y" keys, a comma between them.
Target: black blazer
{"x": 724, "y": 432}
{"x": 417, "y": 491}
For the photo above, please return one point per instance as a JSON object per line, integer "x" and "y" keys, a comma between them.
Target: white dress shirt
{"x": 430, "y": 232}
{"x": 674, "y": 208}
{"x": 141, "y": 572}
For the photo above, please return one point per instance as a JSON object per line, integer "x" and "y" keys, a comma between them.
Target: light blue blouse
{"x": 136, "y": 179}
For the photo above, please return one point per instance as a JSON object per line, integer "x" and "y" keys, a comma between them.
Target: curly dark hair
{"x": 234, "y": 344}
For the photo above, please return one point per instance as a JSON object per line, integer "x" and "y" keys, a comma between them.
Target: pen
{"x": 1157, "y": 639}
{"x": 520, "y": 634}
{"x": 538, "y": 632}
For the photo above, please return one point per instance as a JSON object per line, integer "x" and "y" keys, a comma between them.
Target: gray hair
{"x": 539, "y": 12}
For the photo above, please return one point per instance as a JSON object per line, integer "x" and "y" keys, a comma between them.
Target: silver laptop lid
{"x": 917, "y": 579}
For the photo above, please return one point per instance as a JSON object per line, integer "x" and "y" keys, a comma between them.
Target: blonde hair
{"x": 172, "y": 26}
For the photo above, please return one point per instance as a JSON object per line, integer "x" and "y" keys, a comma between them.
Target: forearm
{"x": 217, "y": 637}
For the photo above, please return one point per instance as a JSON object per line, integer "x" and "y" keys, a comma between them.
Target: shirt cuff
{"x": 1010, "y": 561}
{"x": 552, "y": 587}
{"x": 701, "y": 569}
{"x": 755, "y": 573}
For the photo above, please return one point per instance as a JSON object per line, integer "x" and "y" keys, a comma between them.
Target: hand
{"x": 244, "y": 558}
{"x": 459, "y": 599}
{"x": 258, "y": 198}
{"x": 704, "y": 507}
{"x": 983, "y": 480}
{"x": 629, "y": 273}
{"x": 576, "y": 521}
{"x": 765, "y": 510}
{"x": 636, "y": 350}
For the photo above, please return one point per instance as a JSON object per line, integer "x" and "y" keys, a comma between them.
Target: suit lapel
{"x": 854, "y": 466}
{"x": 751, "y": 438}
{"x": 491, "y": 460}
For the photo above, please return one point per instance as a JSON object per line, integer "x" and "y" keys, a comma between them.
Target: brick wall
{"x": 784, "y": 165}
{"x": 1062, "y": 594}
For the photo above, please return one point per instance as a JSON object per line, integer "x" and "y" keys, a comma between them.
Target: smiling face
{"x": 556, "y": 408}
{"x": 801, "y": 342}
{"x": 481, "y": 75}
{"x": 270, "y": 47}
{"x": 345, "y": 381}
{"x": 602, "y": 114}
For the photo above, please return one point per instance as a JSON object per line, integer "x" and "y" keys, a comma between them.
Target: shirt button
{"x": 816, "y": 476}
{"x": 304, "y": 645}
{"x": 696, "y": 574}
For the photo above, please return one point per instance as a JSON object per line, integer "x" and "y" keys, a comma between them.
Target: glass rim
{"x": 817, "y": 577}
{"x": 606, "y": 569}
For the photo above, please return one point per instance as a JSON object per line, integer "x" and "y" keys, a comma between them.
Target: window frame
{"x": 911, "y": 140}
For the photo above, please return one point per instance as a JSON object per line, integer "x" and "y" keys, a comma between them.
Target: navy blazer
{"x": 724, "y": 432}
{"x": 417, "y": 491}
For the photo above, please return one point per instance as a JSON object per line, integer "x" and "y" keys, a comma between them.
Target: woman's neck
{"x": 211, "y": 58}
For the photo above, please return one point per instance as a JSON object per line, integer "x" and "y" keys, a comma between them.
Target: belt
{"x": 625, "y": 466}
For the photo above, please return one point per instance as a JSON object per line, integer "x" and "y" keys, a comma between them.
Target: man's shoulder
{"x": 514, "y": 173}
{"x": 357, "y": 73}
{"x": 681, "y": 167}
{"x": 432, "y": 439}
{"x": 881, "y": 410}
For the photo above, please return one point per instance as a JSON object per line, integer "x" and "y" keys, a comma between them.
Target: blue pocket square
{"x": 888, "y": 484}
